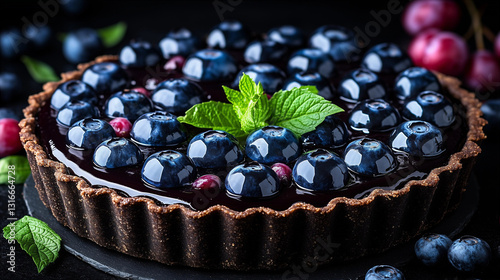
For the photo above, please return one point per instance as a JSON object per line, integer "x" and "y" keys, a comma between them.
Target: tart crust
{"x": 258, "y": 238}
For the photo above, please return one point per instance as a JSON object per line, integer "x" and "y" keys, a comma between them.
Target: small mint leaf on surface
{"x": 112, "y": 35}
{"x": 214, "y": 115}
{"x": 19, "y": 174}
{"x": 257, "y": 113}
{"x": 300, "y": 109}
{"x": 40, "y": 71}
{"x": 36, "y": 238}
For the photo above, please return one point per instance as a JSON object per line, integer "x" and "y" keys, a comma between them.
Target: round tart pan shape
{"x": 258, "y": 238}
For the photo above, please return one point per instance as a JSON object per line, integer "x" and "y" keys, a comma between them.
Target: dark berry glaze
{"x": 127, "y": 180}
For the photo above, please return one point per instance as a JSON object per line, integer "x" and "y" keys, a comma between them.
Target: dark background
{"x": 151, "y": 20}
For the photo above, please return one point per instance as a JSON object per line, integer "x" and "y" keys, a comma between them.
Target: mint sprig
{"x": 39, "y": 70}
{"x": 18, "y": 174}
{"x": 36, "y": 238}
{"x": 299, "y": 109}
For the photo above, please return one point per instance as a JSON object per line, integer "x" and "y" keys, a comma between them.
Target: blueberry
{"x": 88, "y": 133}
{"x": 140, "y": 54}
{"x": 491, "y": 109}
{"x": 117, "y": 152}
{"x": 386, "y": 58}
{"x": 214, "y": 149}
{"x": 12, "y": 44}
{"x": 9, "y": 113}
{"x": 270, "y": 76}
{"x": 469, "y": 253}
{"x": 74, "y": 7}
{"x": 158, "y": 129}
{"x": 229, "y": 34}
{"x": 10, "y": 86}
{"x": 177, "y": 95}
{"x": 287, "y": 35}
{"x": 252, "y": 180}
{"x": 127, "y": 104}
{"x": 179, "y": 42}
{"x": 339, "y": 42}
{"x": 413, "y": 81}
{"x": 361, "y": 84}
{"x": 76, "y": 110}
{"x": 272, "y": 144}
{"x": 374, "y": 115}
{"x": 264, "y": 51}
{"x": 369, "y": 157}
{"x": 418, "y": 138}
{"x": 73, "y": 90}
{"x": 320, "y": 170}
{"x": 322, "y": 84}
{"x": 429, "y": 106}
{"x": 331, "y": 133}
{"x": 210, "y": 65}
{"x": 168, "y": 169}
{"x": 384, "y": 272}
{"x": 312, "y": 60}
{"x": 82, "y": 45}
{"x": 39, "y": 36}
{"x": 432, "y": 249}
{"x": 106, "y": 77}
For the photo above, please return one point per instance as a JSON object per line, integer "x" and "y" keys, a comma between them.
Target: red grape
{"x": 9, "y": 137}
{"x": 426, "y": 14}
{"x": 483, "y": 72}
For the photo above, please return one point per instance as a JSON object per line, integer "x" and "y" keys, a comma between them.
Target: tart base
{"x": 258, "y": 238}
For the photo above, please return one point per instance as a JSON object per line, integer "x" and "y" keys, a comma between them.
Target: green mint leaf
{"x": 257, "y": 113}
{"x": 214, "y": 115}
{"x": 300, "y": 109}
{"x": 40, "y": 71}
{"x": 36, "y": 238}
{"x": 112, "y": 35}
{"x": 14, "y": 169}
{"x": 311, "y": 89}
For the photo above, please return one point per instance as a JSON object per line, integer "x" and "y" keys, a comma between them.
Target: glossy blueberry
{"x": 177, "y": 95}
{"x": 210, "y": 65}
{"x": 386, "y": 58}
{"x": 158, "y": 129}
{"x": 270, "y": 76}
{"x": 10, "y": 86}
{"x": 312, "y": 60}
{"x": 272, "y": 144}
{"x": 229, "y": 34}
{"x": 127, "y": 104}
{"x": 369, "y": 157}
{"x": 168, "y": 169}
{"x": 429, "y": 106}
{"x": 339, "y": 42}
{"x": 12, "y": 44}
{"x": 491, "y": 109}
{"x": 469, "y": 253}
{"x": 264, "y": 51}
{"x": 39, "y": 36}
{"x": 361, "y": 84}
{"x": 214, "y": 149}
{"x": 82, "y": 45}
{"x": 320, "y": 170}
{"x": 287, "y": 35}
{"x": 413, "y": 81}
{"x": 117, "y": 152}
{"x": 140, "y": 54}
{"x": 106, "y": 77}
{"x": 88, "y": 133}
{"x": 432, "y": 249}
{"x": 76, "y": 110}
{"x": 418, "y": 138}
{"x": 252, "y": 180}
{"x": 331, "y": 133}
{"x": 321, "y": 83}
{"x": 73, "y": 90}
{"x": 179, "y": 42}
{"x": 374, "y": 115}
{"x": 384, "y": 272}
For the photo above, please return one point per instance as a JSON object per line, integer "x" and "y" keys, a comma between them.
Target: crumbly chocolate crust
{"x": 258, "y": 238}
